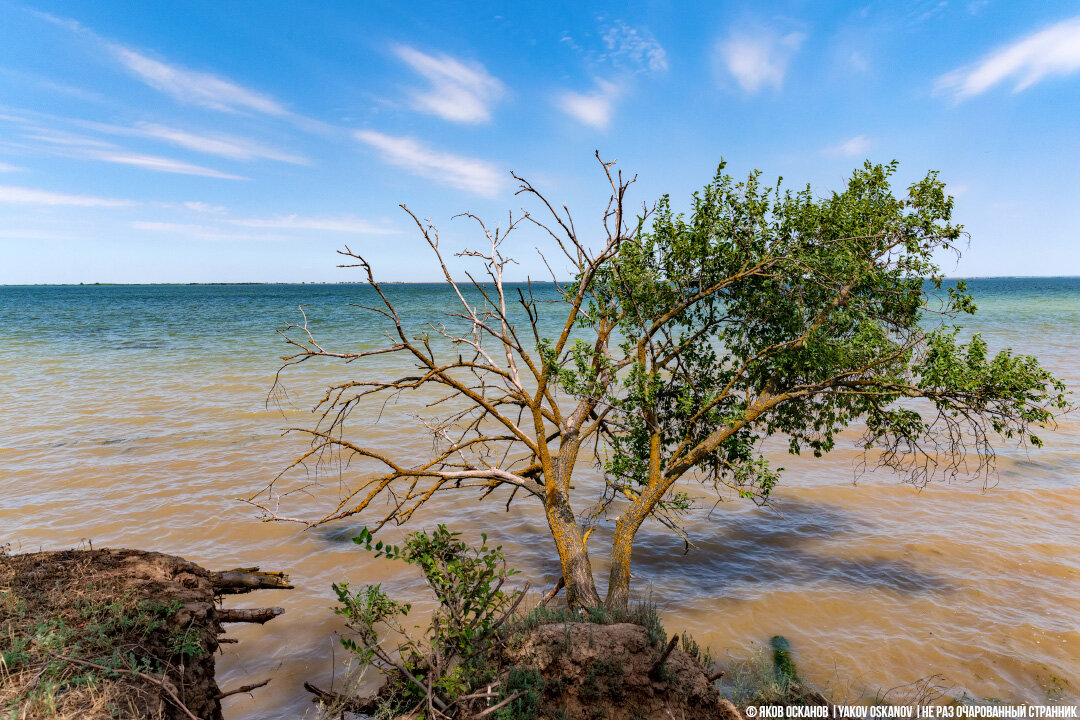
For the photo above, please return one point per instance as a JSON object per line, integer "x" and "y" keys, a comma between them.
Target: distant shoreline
{"x": 422, "y": 282}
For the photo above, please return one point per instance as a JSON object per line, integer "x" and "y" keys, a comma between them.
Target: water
{"x": 136, "y": 416}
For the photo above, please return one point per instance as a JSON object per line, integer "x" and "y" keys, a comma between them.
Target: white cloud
{"x": 1053, "y": 51}
{"x": 158, "y": 164}
{"x": 635, "y": 47}
{"x": 758, "y": 60}
{"x": 594, "y": 109}
{"x": 203, "y": 207}
{"x": 346, "y": 224}
{"x": 66, "y": 144}
{"x": 58, "y": 137}
{"x": 465, "y": 173}
{"x": 227, "y": 146}
{"x": 4, "y": 167}
{"x": 29, "y": 196}
{"x": 342, "y": 223}
{"x": 857, "y": 146}
{"x": 459, "y": 92}
{"x": 196, "y": 88}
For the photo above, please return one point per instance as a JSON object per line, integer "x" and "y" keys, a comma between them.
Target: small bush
{"x": 453, "y": 658}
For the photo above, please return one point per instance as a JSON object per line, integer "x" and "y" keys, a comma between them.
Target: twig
{"x": 503, "y": 704}
{"x": 155, "y": 681}
{"x": 242, "y": 689}
{"x": 513, "y": 606}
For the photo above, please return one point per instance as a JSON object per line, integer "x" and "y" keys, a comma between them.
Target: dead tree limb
{"x": 248, "y": 615}
{"x": 242, "y": 689}
{"x": 553, "y": 592}
{"x": 243, "y": 580}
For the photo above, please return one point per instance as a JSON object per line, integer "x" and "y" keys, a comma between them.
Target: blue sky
{"x": 247, "y": 141}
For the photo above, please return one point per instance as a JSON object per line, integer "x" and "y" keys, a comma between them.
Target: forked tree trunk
{"x": 574, "y": 557}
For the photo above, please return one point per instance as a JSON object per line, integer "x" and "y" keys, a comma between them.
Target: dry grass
{"x": 78, "y": 640}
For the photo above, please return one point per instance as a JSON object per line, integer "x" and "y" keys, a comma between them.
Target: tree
{"x": 683, "y": 342}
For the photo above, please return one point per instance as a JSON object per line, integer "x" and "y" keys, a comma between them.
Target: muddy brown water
{"x": 129, "y": 420}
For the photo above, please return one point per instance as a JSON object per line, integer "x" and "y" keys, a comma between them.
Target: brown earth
{"x": 110, "y": 634}
{"x": 595, "y": 671}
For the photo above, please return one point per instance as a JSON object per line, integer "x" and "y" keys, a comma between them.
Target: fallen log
{"x": 247, "y": 615}
{"x": 244, "y": 580}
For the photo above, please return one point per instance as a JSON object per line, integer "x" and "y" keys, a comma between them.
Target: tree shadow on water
{"x": 802, "y": 546}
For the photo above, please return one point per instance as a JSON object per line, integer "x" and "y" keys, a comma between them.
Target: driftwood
{"x": 244, "y": 580}
{"x": 247, "y": 615}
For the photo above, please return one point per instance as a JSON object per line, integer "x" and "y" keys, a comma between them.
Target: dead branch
{"x": 550, "y": 595}
{"x": 247, "y": 615}
{"x": 244, "y": 580}
{"x": 242, "y": 689}
{"x": 499, "y": 706}
{"x": 664, "y": 655}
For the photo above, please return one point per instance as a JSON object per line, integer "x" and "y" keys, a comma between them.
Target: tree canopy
{"x": 684, "y": 341}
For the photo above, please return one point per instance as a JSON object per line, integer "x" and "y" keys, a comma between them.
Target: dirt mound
{"x": 112, "y": 633}
{"x": 585, "y": 671}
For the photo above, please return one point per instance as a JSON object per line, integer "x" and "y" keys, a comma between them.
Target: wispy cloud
{"x": 1054, "y": 51}
{"x": 201, "y": 232}
{"x": 66, "y": 139}
{"x": 459, "y": 92}
{"x": 188, "y": 86}
{"x": 66, "y": 144}
{"x": 594, "y": 109}
{"x": 30, "y": 196}
{"x": 857, "y": 146}
{"x": 196, "y": 88}
{"x": 4, "y": 167}
{"x": 758, "y": 59}
{"x": 158, "y": 164}
{"x": 227, "y": 146}
{"x": 465, "y": 173}
{"x": 635, "y": 47}
{"x": 345, "y": 224}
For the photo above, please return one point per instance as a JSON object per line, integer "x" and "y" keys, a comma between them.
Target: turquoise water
{"x": 138, "y": 415}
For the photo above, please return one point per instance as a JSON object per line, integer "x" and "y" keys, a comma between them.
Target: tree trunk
{"x": 574, "y": 557}
{"x": 618, "y": 594}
